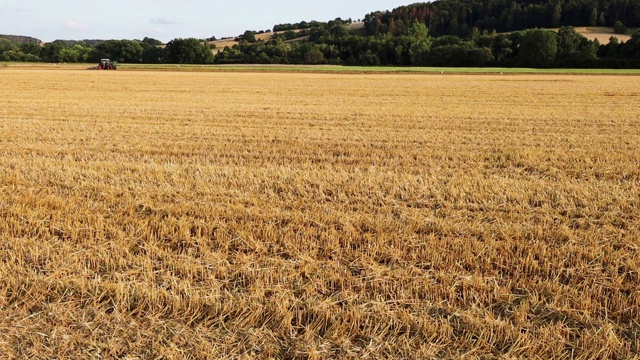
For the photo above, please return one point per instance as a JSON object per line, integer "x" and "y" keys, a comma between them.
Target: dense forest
{"x": 471, "y": 33}
{"x": 460, "y": 17}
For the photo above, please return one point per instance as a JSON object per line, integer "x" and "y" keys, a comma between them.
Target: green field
{"x": 330, "y": 69}
{"x": 378, "y": 69}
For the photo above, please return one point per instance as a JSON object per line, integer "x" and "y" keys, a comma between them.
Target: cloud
{"x": 167, "y": 20}
{"x": 158, "y": 31}
{"x": 73, "y": 25}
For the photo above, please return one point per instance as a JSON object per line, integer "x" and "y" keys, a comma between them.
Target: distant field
{"x": 230, "y": 42}
{"x": 221, "y": 44}
{"x": 165, "y": 214}
{"x": 603, "y": 34}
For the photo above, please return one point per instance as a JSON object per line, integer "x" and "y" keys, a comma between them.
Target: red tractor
{"x": 105, "y": 64}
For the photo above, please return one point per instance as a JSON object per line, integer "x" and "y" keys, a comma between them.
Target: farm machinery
{"x": 105, "y": 64}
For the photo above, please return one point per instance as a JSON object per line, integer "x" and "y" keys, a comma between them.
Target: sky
{"x": 169, "y": 19}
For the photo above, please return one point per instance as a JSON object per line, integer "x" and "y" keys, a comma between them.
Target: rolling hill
{"x": 21, "y": 39}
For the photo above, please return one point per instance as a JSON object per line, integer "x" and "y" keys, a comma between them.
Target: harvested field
{"x": 231, "y": 41}
{"x": 603, "y": 34}
{"x": 258, "y": 215}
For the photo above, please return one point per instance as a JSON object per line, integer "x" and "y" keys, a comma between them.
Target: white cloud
{"x": 167, "y": 20}
{"x": 73, "y": 25}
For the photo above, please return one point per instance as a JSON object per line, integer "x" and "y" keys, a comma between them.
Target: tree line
{"x": 414, "y": 46}
{"x": 148, "y": 51}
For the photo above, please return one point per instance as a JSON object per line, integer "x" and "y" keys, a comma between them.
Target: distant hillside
{"x": 266, "y": 36}
{"x": 85, "y": 42}
{"x": 460, "y": 17}
{"x": 230, "y": 41}
{"x": 22, "y": 39}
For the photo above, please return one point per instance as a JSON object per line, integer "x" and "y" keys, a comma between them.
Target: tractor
{"x": 105, "y": 64}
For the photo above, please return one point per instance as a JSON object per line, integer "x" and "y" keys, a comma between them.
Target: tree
{"x": 338, "y": 30}
{"x": 70, "y": 55}
{"x": 314, "y": 56}
{"x": 602, "y": 20}
{"x": 369, "y": 59}
{"x": 619, "y": 28}
{"x": 11, "y": 55}
{"x": 612, "y": 49}
{"x": 131, "y": 51}
{"x": 568, "y": 42}
{"x": 557, "y": 15}
{"x": 593, "y": 18}
{"x": 155, "y": 42}
{"x": 51, "y": 52}
{"x": 249, "y": 36}
{"x": 418, "y": 31}
{"x": 152, "y": 55}
{"x": 537, "y": 48}
{"x": 95, "y": 55}
{"x": 7, "y": 45}
{"x": 502, "y": 47}
{"x": 290, "y": 35}
{"x": 30, "y": 58}
{"x": 463, "y": 54}
{"x": 31, "y": 48}
{"x": 631, "y": 48}
{"x": 187, "y": 51}
{"x": 573, "y": 48}
{"x": 420, "y": 44}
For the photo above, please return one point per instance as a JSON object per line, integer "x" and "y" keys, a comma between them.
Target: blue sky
{"x": 168, "y": 19}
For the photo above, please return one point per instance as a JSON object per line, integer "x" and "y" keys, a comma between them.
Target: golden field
{"x": 259, "y": 215}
